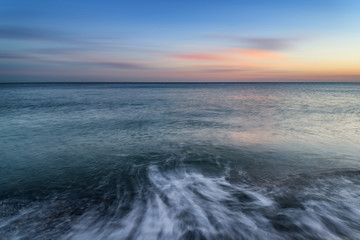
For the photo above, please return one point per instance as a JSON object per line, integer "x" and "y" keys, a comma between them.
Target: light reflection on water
{"x": 180, "y": 161}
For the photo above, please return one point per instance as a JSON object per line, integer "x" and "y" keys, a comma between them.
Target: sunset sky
{"x": 147, "y": 41}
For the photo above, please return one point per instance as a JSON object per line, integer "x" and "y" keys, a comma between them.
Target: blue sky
{"x": 179, "y": 40}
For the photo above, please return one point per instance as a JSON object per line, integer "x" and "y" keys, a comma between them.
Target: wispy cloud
{"x": 221, "y": 70}
{"x": 119, "y": 65}
{"x": 230, "y": 55}
{"x": 99, "y": 63}
{"x": 268, "y": 43}
{"x": 201, "y": 57}
{"x": 264, "y": 54}
{"x": 265, "y": 43}
{"x": 23, "y": 33}
{"x": 14, "y": 56}
{"x": 224, "y": 67}
{"x": 60, "y": 51}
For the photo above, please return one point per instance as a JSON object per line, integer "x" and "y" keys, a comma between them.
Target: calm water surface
{"x": 180, "y": 161}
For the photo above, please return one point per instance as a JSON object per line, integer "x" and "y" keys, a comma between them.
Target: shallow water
{"x": 180, "y": 161}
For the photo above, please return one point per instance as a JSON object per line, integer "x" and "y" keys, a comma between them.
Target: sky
{"x": 176, "y": 41}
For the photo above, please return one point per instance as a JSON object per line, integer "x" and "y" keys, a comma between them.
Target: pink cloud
{"x": 231, "y": 55}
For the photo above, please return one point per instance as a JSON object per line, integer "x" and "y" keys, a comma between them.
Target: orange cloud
{"x": 260, "y": 53}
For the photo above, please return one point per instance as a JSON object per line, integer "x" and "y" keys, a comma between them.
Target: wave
{"x": 182, "y": 203}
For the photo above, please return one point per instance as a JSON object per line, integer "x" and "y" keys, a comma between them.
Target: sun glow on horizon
{"x": 59, "y": 43}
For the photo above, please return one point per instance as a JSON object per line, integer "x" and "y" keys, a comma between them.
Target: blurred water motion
{"x": 180, "y": 161}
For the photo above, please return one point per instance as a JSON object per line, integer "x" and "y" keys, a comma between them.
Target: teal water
{"x": 180, "y": 161}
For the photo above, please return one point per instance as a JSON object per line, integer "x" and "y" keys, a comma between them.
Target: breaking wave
{"x": 180, "y": 203}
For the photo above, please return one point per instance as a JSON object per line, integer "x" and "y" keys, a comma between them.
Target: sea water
{"x": 180, "y": 161}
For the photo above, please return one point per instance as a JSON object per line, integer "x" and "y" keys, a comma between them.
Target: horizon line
{"x": 98, "y": 82}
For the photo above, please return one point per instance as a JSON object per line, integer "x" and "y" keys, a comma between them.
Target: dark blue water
{"x": 180, "y": 161}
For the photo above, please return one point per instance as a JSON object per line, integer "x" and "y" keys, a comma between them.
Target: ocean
{"x": 180, "y": 161}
